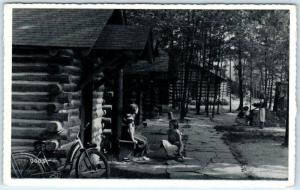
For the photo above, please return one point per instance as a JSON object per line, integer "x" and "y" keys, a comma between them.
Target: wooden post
{"x": 140, "y": 99}
{"x": 118, "y": 111}
{"x": 87, "y": 104}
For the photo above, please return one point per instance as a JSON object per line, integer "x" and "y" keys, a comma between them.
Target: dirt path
{"x": 206, "y": 154}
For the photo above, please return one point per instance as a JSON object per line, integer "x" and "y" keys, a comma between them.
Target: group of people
{"x": 173, "y": 146}
{"x": 249, "y": 114}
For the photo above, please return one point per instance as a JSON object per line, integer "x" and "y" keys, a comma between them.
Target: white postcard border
{"x": 146, "y": 183}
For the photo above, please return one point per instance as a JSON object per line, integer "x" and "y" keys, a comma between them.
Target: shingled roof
{"x": 160, "y": 65}
{"x": 58, "y": 27}
{"x": 123, "y": 37}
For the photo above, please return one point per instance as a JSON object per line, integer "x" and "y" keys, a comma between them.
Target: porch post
{"x": 118, "y": 113}
{"x": 87, "y": 103}
{"x": 140, "y": 99}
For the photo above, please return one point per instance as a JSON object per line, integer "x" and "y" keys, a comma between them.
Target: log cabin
{"x": 212, "y": 82}
{"x": 147, "y": 85}
{"x": 62, "y": 60}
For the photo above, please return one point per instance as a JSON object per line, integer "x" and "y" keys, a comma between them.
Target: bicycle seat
{"x": 48, "y": 145}
{"x": 90, "y": 145}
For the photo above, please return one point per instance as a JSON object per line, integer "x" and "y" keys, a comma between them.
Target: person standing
{"x": 262, "y": 114}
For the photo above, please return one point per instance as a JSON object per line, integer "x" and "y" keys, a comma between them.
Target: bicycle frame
{"x": 71, "y": 155}
{"x": 74, "y": 150}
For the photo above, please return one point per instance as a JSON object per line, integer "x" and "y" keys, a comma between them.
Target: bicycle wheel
{"x": 92, "y": 164}
{"x": 26, "y": 165}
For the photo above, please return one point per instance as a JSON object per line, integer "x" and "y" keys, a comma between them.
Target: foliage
{"x": 257, "y": 41}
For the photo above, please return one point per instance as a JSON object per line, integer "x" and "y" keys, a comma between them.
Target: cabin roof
{"x": 160, "y": 65}
{"x": 58, "y": 27}
{"x": 123, "y": 37}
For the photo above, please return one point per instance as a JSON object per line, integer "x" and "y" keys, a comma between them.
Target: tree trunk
{"x": 219, "y": 90}
{"x": 207, "y": 92}
{"x": 197, "y": 83}
{"x": 266, "y": 79}
{"x": 271, "y": 91}
{"x": 230, "y": 85}
{"x": 215, "y": 86}
{"x": 240, "y": 76}
{"x": 202, "y": 70}
{"x": 185, "y": 89}
{"x": 286, "y": 137}
{"x": 251, "y": 85}
{"x": 208, "y": 76}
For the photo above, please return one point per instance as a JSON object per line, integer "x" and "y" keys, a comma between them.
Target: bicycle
{"x": 87, "y": 160}
{"x": 22, "y": 166}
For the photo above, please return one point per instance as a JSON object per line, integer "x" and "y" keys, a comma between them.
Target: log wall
{"x": 98, "y": 112}
{"x": 44, "y": 100}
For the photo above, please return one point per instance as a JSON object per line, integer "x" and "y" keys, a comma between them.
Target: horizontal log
{"x": 39, "y": 115}
{"x": 34, "y": 133}
{"x": 73, "y": 120}
{"x": 26, "y": 52}
{"x": 22, "y": 142}
{"x": 98, "y": 94}
{"x": 107, "y": 107}
{"x": 74, "y": 79}
{"x": 98, "y": 113}
{"x": 73, "y": 128}
{"x": 70, "y": 106}
{"x": 72, "y": 69}
{"x": 70, "y": 87}
{"x": 45, "y": 68}
{"x": 51, "y": 126}
{"x": 51, "y": 107}
{"x": 73, "y": 131}
{"x": 98, "y": 101}
{"x": 100, "y": 88}
{"x": 76, "y": 95}
{"x": 73, "y": 112}
{"x": 106, "y": 121}
{"x": 97, "y": 106}
{"x": 54, "y": 107}
{"x": 41, "y": 97}
{"x": 43, "y": 59}
{"x": 100, "y": 74}
{"x": 36, "y": 68}
{"x": 22, "y": 148}
{"x": 61, "y": 78}
{"x": 109, "y": 94}
{"x": 53, "y": 88}
{"x": 75, "y": 103}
